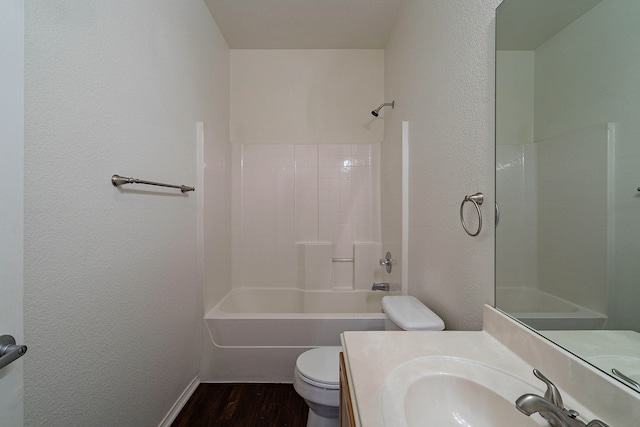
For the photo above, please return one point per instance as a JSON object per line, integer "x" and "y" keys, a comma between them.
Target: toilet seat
{"x": 320, "y": 367}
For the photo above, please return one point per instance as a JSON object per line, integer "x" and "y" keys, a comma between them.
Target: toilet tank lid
{"x": 410, "y": 314}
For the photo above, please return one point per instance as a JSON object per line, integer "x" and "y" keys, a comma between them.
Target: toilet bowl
{"x": 316, "y": 376}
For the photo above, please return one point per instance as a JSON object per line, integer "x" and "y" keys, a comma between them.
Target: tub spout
{"x": 381, "y": 287}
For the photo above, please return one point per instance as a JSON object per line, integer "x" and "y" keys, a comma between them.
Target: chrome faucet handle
{"x": 387, "y": 262}
{"x": 552, "y": 394}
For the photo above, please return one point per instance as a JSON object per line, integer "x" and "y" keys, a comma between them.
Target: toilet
{"x": 316, "y": 376}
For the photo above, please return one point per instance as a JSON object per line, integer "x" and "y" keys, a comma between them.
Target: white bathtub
{"x": 257, "y": 334}
{"x": 544, "y": 311}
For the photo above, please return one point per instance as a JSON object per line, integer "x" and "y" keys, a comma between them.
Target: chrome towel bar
{"x": 118, "y": 180}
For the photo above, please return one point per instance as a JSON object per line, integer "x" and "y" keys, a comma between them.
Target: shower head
{"x": 377, "y": 110}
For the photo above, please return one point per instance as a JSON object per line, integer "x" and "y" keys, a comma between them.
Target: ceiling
{"x": 305, "y": 24}
{"x": 527, "y": 24}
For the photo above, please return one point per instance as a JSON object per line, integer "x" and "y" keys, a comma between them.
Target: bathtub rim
{"x": 217, "y": 313}
{"x": 231, "y": 355}
{"x": 581, "y": 312}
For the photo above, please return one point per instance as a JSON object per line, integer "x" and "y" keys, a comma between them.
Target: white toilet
{"x": 316, "y": 376}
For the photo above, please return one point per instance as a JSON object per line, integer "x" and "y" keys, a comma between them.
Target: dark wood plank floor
{"x": 243, "y": 405}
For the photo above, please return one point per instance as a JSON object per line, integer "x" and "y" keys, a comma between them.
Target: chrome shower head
{"x": 377, "y": 110}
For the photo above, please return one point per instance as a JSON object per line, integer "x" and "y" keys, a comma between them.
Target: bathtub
{"x": 256, "y": 334}
{"x": 544, "y": 311}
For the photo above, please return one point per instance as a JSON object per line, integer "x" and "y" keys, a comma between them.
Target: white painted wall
{"x": 313, "y": 96}
{"x": 514, "y": 89}
{"x": 587, "y": 75}
{"x": 439, "y": 68}
{"x": 112, "y": 293}
{"x": 572, "y": 216}
{"x": 12, "y": 203}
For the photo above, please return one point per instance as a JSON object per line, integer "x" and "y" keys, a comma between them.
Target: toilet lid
{"x": 320, "y": 366}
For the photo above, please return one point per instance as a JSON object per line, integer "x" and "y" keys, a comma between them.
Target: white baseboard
{"x": 182, "y": 400}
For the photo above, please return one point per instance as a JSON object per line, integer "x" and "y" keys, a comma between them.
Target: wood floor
{"x": 243, "y": 405}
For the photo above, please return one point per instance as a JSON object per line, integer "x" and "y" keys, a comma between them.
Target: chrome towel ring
{"x": 477, "y": 200}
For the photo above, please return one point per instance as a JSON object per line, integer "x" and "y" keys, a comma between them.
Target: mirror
{"x": 568, "y": 175}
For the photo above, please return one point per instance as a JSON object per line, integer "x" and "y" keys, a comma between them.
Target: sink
{"x": 454, "y": 392}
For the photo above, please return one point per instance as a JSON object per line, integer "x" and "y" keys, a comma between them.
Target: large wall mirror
{"x": 568, "y": 175}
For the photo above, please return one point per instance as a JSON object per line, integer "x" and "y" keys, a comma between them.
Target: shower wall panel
{"x": 286, "y": 194}
{"x": 516, "y": 235}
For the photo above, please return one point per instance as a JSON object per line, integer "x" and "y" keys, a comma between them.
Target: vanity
{"x": 451, "y": 378}
{"x": 567, "y": 106}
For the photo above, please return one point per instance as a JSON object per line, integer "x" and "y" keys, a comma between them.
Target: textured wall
{"x": 439, "y": 68}
{"x": 112, "y": 297}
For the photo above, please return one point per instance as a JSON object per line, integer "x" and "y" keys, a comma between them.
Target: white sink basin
{"x": 454, "y": 392}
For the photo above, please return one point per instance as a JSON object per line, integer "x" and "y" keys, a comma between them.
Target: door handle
{"x": 9, "y": 351}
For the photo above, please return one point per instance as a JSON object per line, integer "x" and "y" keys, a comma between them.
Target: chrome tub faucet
{"x": 381, "y": 287}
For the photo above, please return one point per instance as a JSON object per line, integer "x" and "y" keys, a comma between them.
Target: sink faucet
{"x": 380, "y": 287}
{"x": 556, "y": 416}
{"x": 551, "y": 408}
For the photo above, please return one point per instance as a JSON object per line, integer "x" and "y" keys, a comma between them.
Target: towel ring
{"x": 477, "y": 200}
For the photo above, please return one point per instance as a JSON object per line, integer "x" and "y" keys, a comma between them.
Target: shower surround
{"x": 305, "y": 238}
{"x": 306, "y": 216}
{"x": 555, "y": 228}
{"x": 306, "y": 249}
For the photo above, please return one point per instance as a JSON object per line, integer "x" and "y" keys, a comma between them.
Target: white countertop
{"x": 373, "y": 355}
{"x": 505, "y": 345}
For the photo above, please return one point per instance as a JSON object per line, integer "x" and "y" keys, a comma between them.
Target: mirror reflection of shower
{"x": 554, "y": 178}
{"x": 566, "y": 248}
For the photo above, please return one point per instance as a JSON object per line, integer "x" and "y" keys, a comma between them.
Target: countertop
{"x": 373, "y": 355}
{"x": 503, "y": 344}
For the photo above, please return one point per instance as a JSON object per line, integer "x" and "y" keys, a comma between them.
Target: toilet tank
{"x": 407, "y": 313}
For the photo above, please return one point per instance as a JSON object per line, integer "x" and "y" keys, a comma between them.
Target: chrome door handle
{"x": 9, "y": 351}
